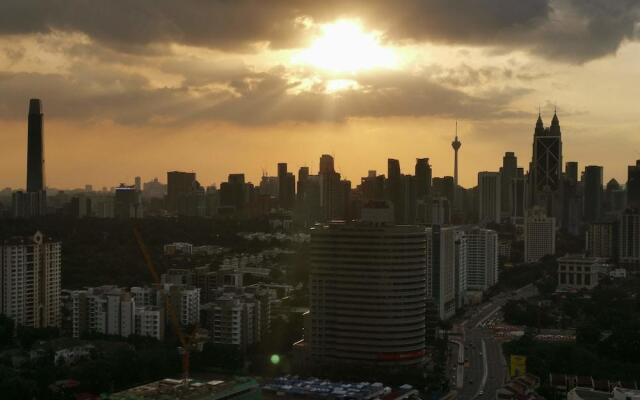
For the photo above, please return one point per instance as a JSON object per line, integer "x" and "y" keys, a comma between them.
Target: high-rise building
{"x": 423, "y": 176}
{"x": 593, "y": 204}
{"x": 600, "y": 239}
{"x": 234, "y": 193}
{"x": 633, "y": 185}
{"x": 138, "y": 183}
{"x": 539, "y": 235}
{"x": 286, "y": 187}
{"x": 508, "y": 173}
{"x": 629, "y": 238}
{"x": 571, "y": 171}
{"x": 35, "y": 150}
{"x": 446, "y": 269}
{"x": 394, "y": 188}
{"x": 30, "y": 270}
{"x": 334, "y": 192}
{"x": 482, "y": 258}
{"x": 127, "y": 202}
{"x": 179, "y": 186}
{"x": 33, "y": 202}
{"x": 546, "y": 167}
{"x": 368, "y": 294}
{"x": 518, "y": 197}
{"x": 489, "y": 196}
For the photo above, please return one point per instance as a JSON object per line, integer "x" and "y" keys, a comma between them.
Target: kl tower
{"x": 456, "y": 144}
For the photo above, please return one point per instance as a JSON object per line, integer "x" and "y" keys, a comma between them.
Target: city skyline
{"x": 470, "y": 182}
{"x": 181, "y": 94}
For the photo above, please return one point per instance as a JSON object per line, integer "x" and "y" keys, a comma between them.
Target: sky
{"x": 138, "y": 88}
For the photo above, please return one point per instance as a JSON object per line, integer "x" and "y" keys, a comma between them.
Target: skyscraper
{"x": 368, "y": 294}
{"x": 546, "y": 167}
{"x": 633, "y": 185}
{"x": 592, "y": 193}
{"x": 30, "y": 269}
{"x": 508, "y": 173}
{"x": 286, "y": 187}
{"x": 489, "y": 196}
{"x": 35, "y": 148}
{"x": 423, "y": 178}
{"x": 179, "y": 185}
{"x": 33, "y": 203}
{"x": 571, "y": 171}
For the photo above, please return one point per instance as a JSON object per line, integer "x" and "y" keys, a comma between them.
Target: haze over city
{"x": 220, "y": 88}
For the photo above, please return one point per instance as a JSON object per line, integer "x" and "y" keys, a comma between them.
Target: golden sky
{"x": 219, "y": 87}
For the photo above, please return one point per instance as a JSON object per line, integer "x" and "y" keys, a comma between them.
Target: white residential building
{"x": 446, "y": 268}
{"x": 482, "y": 258}
{"x": 539, "y": 235}
{"x": 150, "y": 321}
{"x": 30, "y": 270}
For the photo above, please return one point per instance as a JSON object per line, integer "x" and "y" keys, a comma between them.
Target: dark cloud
{"x": 565, "y": 30}
{"x": 93, "y": 93}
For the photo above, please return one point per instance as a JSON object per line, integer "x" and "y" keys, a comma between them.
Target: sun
{"x": 345, "y": 47}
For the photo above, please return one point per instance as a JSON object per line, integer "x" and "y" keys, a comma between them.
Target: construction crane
{"x": 186, "y": 341}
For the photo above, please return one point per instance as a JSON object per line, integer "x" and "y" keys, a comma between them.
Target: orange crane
{"x": 185, "y": 341}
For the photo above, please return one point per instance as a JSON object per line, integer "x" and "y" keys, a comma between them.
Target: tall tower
{"x": 456, "y": 144}
{"x": 546, "y": 167}
{"x": 35, "y": 148}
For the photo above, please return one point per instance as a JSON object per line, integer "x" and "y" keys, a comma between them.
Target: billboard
{"x": 518, "y": 365}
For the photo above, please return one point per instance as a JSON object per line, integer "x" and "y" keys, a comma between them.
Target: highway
{"x": 484, "y": 370}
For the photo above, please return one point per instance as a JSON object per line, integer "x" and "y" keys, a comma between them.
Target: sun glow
{"x": 345, "y": 47}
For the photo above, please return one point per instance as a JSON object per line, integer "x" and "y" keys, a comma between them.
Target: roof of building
{"x": 177, "y": 389}
{"x": 591, "y": 394}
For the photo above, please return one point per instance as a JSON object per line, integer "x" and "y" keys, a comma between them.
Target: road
{"x": 484, "y": 370}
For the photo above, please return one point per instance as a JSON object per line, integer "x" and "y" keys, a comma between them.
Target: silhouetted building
{"x": 629, "y": 238}
{"x": 508, "y": 173}
{"x": 154, "y": 189}
{"x": 518, "y": 197}
{"x": 571, "y": 171}
{"x": 33, "y": 202}
{"x": 179, "y": 185}
{"x": 423, "y": 176}
{"x": 546, "y": 167}
{"x": 445, "y": 187}
{"x": 234, "y": 194}
{"x": 456, "y": 144}
{"x": 615, "y": 197}
{"x": 286, "y": 187}
{"x": 633, "y": 185}
{"x": 35, "y": 150}
{"x": 593, "y": 204}
{"x": 489, "y": 196}
{"x": 127, "y": 202}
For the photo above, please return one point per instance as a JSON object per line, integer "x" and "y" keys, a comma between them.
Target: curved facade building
{"x": 368, "y": 294}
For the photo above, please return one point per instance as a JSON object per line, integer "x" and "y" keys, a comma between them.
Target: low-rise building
{"x": 576, "y": 272}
